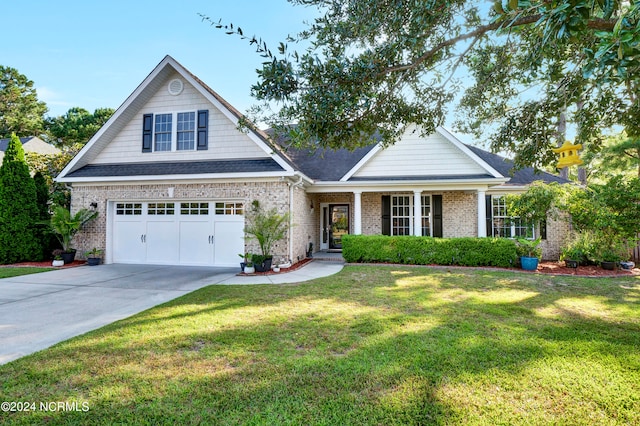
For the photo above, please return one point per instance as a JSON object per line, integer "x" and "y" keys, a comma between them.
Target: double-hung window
{"x": 178, "y": 131}
{"x": 402, "y": 220}
{"x": 504, "y": 225}
{"x": 186, "y": 131}
{"x": 163, "y": 132}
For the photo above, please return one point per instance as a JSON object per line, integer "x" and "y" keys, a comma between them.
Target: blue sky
{"x": 94, "y": 54}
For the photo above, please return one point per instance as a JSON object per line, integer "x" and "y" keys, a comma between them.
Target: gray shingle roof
{"x": 326, "y": 164}
{"x": 330, "y": 165}
{"x": 177, "y": 168}
{"x": 4, "y": 143}
{"x": 506, "y": 168}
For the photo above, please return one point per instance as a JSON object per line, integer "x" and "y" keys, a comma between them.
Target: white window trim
{"x": 411, "y": 213}
{"x": 174, "y": 131}
{"x": 508, "y": 218}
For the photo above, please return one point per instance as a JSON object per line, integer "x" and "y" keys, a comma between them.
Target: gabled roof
{"x": 29, "y": 144}
{"x": 328, "y": 165}
{"x": 81, "y": 166}
{"x": 32, "y": 144}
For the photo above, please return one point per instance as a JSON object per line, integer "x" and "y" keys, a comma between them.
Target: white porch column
{"x": 357, "y": 212}
{"x": 482, "y": 214}
{"x": 417, "y": 212}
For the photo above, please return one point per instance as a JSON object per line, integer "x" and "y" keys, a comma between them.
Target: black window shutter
{"x": 386, "y": 215}
{"x": 543, "y": 229}
{"x": 147, "y": 133}
{"x": 437, "y": 215}
{"x": 489, "y": 215}
{"x": 203, "y": 127}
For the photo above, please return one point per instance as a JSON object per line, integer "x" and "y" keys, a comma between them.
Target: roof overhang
{"x": 407, "y": 185}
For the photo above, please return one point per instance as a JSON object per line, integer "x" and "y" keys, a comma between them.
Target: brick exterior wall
{"x": 459, "y": 214}
{"x": 306, "y": 223}
{"x": 557, "y": 232}
{"x": 458, "y": 211}
{"x": 270, "y": 194}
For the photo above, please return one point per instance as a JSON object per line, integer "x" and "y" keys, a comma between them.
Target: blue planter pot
{"x": 529, "y": 263}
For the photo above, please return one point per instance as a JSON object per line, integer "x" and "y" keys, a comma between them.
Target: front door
{"x": 338, "y": 224}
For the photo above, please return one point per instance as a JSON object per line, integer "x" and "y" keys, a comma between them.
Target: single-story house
{"x": 172, "y": 177}
{"x": 30, "y": 144}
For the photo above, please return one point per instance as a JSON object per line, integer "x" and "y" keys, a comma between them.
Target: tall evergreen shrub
{"x": 18, "y": 208}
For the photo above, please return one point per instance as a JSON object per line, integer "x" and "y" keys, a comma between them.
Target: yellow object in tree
{"x": 568, "y": 155}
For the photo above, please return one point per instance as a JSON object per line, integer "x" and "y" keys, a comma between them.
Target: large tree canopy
{"x": 20, "y": 110}
{"x": 77, "y": 126}
{"x": 367, "y": 66}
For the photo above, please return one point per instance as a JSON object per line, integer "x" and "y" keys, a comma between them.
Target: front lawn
{"x": 377, "y": 345}
{"x": 10, "y": 271}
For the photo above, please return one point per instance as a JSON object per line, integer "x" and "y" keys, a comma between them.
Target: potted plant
{"x": 57, "y": 258}
{"x": 267, "y": 227}
{"x": 578, "y": 249}
{"x": 65, "y": 226}
{"x": 610, "y": 250}
{"x": 244, "y": 257}
{"x": 530, "y": 253}
{"x": 248, "y": 267}
{"x": 94, "y": 256}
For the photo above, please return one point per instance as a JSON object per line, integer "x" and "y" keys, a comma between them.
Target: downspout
{"x": 291, "y": 188}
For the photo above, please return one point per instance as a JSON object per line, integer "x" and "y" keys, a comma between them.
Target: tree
{"x": 18, "y": 208}
{"x": 77, "y": 126}
{"x": 20, "y": 111}
{"x": 66, "y": 226}
{"x": 373, "y": 66}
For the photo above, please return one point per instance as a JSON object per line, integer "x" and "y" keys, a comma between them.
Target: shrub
{"x": 266, "y": 226}
{"x": 18, "y": 208}
{"x": 426, "y": 250}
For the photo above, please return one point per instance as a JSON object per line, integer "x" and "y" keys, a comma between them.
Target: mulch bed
{"x": 558, "y": 268}
{"x": 553, "y": 268}
{"x": 282, "y": 271}
{"x": 45, "y": 264}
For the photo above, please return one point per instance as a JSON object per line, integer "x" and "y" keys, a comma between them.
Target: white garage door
{"x": 178, "y": 232}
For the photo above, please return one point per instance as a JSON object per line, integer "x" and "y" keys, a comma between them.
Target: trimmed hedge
{"x": 429, "y": 251}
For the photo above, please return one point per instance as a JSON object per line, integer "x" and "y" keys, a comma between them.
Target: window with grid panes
{"x": 506, "y": 226}
{"x": 163, "y": 130}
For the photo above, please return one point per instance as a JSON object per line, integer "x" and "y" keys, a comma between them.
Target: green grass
{"x": 377, "y": 345}
{"x": 9, "y": 271}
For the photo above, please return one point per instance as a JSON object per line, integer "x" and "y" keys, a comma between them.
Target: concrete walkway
{"x": 40, "y": 310}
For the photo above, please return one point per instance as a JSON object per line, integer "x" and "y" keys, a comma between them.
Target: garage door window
{"x": 229, "y": 208}
{"x": 128, "y": 209}
{"x": 194, "y": 208}
{"x": 161, "y": 209}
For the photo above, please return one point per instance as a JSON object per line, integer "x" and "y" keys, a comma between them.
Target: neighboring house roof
{"x": 30, "y": 144}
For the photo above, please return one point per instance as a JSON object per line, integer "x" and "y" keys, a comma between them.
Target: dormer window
{"x": 189, "y": 133}
{"x": 162, "y": 133}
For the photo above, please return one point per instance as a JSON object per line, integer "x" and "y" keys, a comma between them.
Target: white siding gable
{"x": 225, "y": 140}
{"x": 415, "y": 155}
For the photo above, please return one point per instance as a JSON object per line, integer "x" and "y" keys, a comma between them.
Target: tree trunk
{"x": 561, "y": 134}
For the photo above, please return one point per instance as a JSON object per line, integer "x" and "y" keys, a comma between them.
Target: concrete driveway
{"x": 39, "y": 310}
